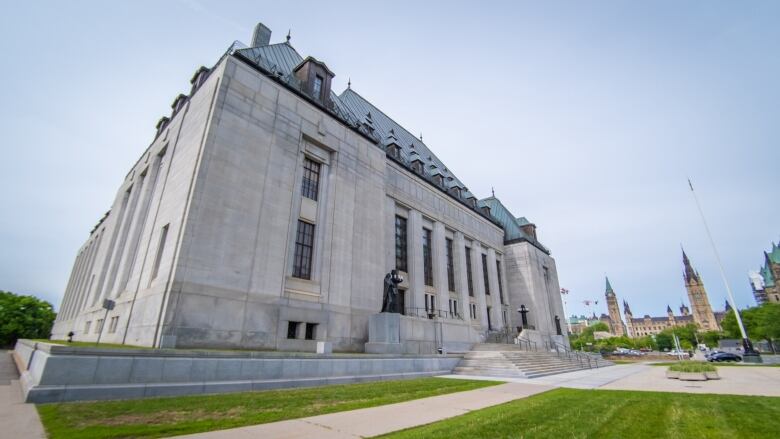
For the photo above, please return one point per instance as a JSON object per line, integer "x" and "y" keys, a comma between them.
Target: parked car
{"x": 677, "y": 353}
{"x": 724, "y": 356}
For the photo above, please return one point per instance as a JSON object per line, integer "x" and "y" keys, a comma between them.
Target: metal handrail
{"x": 431, "y": 313}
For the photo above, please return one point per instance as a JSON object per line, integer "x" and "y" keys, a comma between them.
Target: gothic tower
{"x": 697, "y": 295}
{"x": 629, "y": 317}
{"x": 616, "y": 324}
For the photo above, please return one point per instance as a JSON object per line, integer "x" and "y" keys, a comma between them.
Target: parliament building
{"x": 267, "y": 211}
{"x": 700, "y": 313}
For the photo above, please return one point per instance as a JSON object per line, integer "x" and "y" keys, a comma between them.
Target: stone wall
{"x": 51, "y": 373}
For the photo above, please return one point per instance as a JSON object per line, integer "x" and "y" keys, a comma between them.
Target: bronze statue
{"x": 390, "y": 298}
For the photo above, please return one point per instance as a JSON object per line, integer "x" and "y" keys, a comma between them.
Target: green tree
{"x": 24, "y": 317}
{"x": 761, "y": 323}
{"x": 710, "y": 338}
{"x": 664, "y": 341}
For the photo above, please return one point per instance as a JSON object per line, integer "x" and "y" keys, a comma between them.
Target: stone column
{"x": 416, "y": 273}
{"x": 479, "y": 283}
{"x": 461, "y": 281}
{"x": 440, "y": 267}
{"x": 494, "y": 291}
{"x": 510, "y": 317}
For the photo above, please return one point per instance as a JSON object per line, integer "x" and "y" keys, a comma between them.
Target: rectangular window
{"x": 311, "y": 179}
{"x": 450, "y": 266}
{"x": 427, "y": 258}
{"x": 453, "y": 308}
{"x": 473, "y": 311}
{"x": 469, "y": 279}
{"x": 304, "y": 249}
{"x": 500, "y": 286}
{"x": 98, "y": 326}
{"x": 86, "y": 326}
{"x": 430, "y": 304}
{"x": 485, "y": 274}
{"x": 401, "y": 259}
{"x": 160, "y": 249}
{"x": 311, "y": 329}
{"x": 317, "y": 87}
{"x": 292, "y": 329}
{"x": 112, "y": 324}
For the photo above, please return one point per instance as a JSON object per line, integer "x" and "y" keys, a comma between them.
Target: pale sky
{"x": 587, "y": 118}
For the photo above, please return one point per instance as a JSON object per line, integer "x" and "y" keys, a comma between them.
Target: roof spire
{"x": 609, "y": 287}
{"x": 421, "y": 136}
{"x": 493, "y": 191}
{"x": 690, "y": 273}
{"x": 349, "y": 83}
{"x": 288, "y": 35}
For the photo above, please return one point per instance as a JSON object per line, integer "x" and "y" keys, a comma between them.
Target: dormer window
{"x": 417, "y": 166}
{"x": 317, "y": 86}
{"x": 315, "y": 78}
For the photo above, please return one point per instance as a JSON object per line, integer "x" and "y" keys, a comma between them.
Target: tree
{"x": 664, "y": 341}
{"x": 24, "y": 317}
{"x": 761, "y": 323}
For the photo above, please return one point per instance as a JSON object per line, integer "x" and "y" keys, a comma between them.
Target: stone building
{"x": 267, "y": 211}
{"x": 703, "y": 315}
{"x": 765, "y": 281}
{"x": 616, "y": 326}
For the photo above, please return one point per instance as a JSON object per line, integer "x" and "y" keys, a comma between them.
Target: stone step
{"x": 495, "y": 359}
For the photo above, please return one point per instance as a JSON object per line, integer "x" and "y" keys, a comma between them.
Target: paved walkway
{"x": 17, "y": 419}
{"x": 581, "y": 379}
{"x": 736, "y": 380}
{"x": 383, "y": 419}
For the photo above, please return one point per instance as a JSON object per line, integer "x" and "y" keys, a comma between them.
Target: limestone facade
{"x": 267, "y": 211}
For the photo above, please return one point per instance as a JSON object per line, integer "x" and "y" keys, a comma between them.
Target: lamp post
{"x": 750, "y": 355}
{"x": 523, "y": 311}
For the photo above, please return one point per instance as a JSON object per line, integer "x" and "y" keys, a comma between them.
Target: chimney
{"x": 261, "y": 36}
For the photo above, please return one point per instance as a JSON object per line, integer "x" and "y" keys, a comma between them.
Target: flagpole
{"x": 750, "y": 355}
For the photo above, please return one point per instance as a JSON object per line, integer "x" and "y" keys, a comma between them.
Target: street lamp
{"x": 523, "y": 311}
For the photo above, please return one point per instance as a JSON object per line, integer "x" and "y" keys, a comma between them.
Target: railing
{"x": 581, "y": 358}
{"x": 431, "y": 314}
{"x": 528, "y": 344}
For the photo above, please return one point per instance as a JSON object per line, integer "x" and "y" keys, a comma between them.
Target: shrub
{"x": 692, "y": 366}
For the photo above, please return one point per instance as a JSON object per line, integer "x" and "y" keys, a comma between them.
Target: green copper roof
{"x": 513, "y": 229}
{"x": 766, "y": 274}
{"x": 774, "y": 256}
{"x": 609, "y": 287}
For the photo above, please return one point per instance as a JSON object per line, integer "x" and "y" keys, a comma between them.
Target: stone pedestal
{"x": 384, "y": 334}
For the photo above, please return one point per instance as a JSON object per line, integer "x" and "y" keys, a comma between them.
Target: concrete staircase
{"x": 509, "y": 360}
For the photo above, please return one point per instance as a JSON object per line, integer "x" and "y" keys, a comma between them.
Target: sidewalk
{"x": 17, "y": 419}
{"x": 383, "y": 419}
{"x": 581, "y": 379}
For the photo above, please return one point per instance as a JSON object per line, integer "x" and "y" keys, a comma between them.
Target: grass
{"x": 158, "y": 417}
{"x": 575, "y": 413}
{"x": 692, "y": 366}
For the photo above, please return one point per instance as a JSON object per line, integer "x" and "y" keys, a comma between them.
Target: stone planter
{"x": 672, "y": 374}
{"x": 692, "y": 376}
{"x": 712, "y": 375}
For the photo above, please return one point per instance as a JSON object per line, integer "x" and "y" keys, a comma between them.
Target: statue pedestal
{"x": 384, "y": 334}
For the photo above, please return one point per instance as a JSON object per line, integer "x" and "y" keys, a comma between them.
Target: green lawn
{"x": 574, "y": 413}
{"x": 160, "y": 417}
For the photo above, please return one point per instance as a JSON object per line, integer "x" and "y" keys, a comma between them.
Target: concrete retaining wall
{"x": 53, "y": 373}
